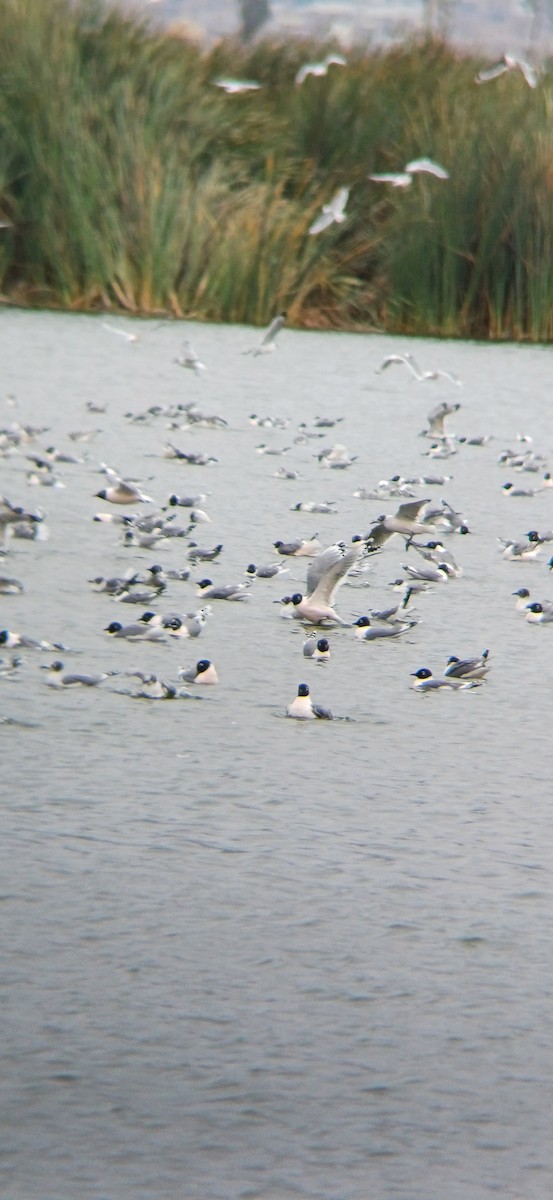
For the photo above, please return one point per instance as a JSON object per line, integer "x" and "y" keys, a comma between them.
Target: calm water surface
{"x": 246, "y": 957}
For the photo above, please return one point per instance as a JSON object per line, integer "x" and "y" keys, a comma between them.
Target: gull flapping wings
{"x": 403, "y": 521}
{"x": 268, "y": 342}
{"x": 400, "y": 179}
{"x": 190, "y": 359}
{"x": 437, "y": 417}
{"x": 274, "y": 328}
{"x": 129, "y": 337}
{"x": 427, "y": 166}
{"x": 334, "y": 211}
{"x": 407, "y": 360}
{"x": 328, "y": 570}
{"x": 417, "y": 166}
{"x": 233, "y": 86}
{"x": 509, "y": 62}
{"x": 319, "y": 68}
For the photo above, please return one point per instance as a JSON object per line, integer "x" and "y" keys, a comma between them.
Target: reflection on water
{"x": 247, "y": 957}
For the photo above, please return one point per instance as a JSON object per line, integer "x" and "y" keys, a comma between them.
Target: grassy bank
{"x": 129, "y": 180}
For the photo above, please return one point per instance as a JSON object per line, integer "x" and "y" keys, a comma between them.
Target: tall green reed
{"x": 133, "y": 181}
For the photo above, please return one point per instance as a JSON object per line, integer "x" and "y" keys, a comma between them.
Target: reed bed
{"x": 128, "y": 180}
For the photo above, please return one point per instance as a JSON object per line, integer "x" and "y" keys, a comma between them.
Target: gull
{"x": 283, "y": 473}
{"x": 337, "y": 458}
{"x": 10, "y": 669}
{"x": 467, "y": 668}
{"x": 187, "y": 501}
{"x": 156, "y": 689}
{"x": 275, "y": 451}
{"x": 424, "y": 682}
{"x": 135, "y": 633}
{"x": 233, "y": 87}
{"x": 10, "y": 639}
{"x": 10, "y": 586}
{"x": 268, "y": 342}
{"x": 509, "y": 62}
{"x": 203, "y": 672}
{"x": 123, "y": 493}
{"x": 521, "y": 551}
{"x": 269, "y": 422}
{"x": 404, "y": 521}
{"x": 538, "y": 613}
{"x": 190, "y": 360}
{"x": 509, "y": 489}
{"x": 313, "y": 506}
{"x": 436, "y": 426}
{"x": 177, "y": 625}
{"x": 370, "y": 633}
{"x": 324, "y": 576}
{"x": 303, "y": 709}
{"x": 409, "y": 361}
{"x": 523, "y": 597}
{"x": 229, "y": 591}
{"x": 266, "y": 572}
{"x": 300, "y": 548}
{"x": 438, "y": 573}
{"x": 450, "y": 520}
{"x": 319, "y": 68}
{"x": 334, "y": 211}
{"x": 316, "y": 648}
{"x": 159, "y": 576}
{"x": 443, "y": 449}
{"x": 417, "y": 166}
{"x": 56, "y": 678}
{"x": 192, "y": 459}
{"x": 197, "y": 554}
{"x": 129, "y": 337}
{"x": 436, "y": 553}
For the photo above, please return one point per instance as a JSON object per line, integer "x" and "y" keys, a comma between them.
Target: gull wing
{"x": 328, "y": 570}
{"x": 411, "y": 510}
{"x": 323, "y": 713}
{"x": 237, "y": 85}
{"x": 427, "y": 166}
{"x": 321, "y": 222}
{"x": 405, "y": 360}
{"x": 389, "y": 361}
{"x": 309, "y": 69}
{"x": 273, "y": 329}
{"x": 447, "y": 375}
{"x": 443, "y": 409}
{"x": 491, "y": 72}
{"x": 399, "y": 179}
{"x": 458, "y": 669}
{"x": 528, "y": 71}
{"x": 377, "y": 536}
{"x": 338, "y": 203}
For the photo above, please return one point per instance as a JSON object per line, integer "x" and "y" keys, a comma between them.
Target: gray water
{"x": 245, "y": 956}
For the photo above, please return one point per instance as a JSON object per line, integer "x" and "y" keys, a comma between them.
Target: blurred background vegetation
{"x": 128, "y": 180}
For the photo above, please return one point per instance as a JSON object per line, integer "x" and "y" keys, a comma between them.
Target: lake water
{"x": 247, "y": 957}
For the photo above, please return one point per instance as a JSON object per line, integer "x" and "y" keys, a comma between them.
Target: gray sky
{"x": 494, "y": 25}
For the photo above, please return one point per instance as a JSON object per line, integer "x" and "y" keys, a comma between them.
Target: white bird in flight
{"x": 319, "y": 68}
{"x": 331, "y": 212}
{"x": 234, "y": 86}
{"x": 509, "y": 62}
{"x": 190, "y": 359}
{"x": 129, "y": 337}
{"x": 408, "y": 361}
{"x": 418, "y": 166}
{"x": 268, "y": 342}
